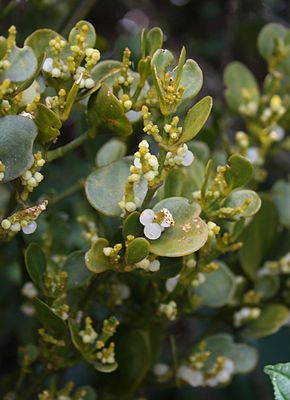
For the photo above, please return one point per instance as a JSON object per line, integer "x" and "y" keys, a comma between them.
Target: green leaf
{"x": 3, "y": 46}
{"x": 188, "y": 234}
{"x": 267, "y": 285}
{"x": 47, "y": 122}
{"x": 244, "y": 357}
{"x": 95, "y": 259}
{"x": 90, "y": 34}
{"x": 106, "y": 114}
{"x": 161, "y": 60}
{"x": 268, "y": 39}
{"x": 195, "y": 119}
{"x": 23, "y": 65}
{"x": 133, "y": 353}
{"x": 218, "y": 288}
{"x": 280, "y": 378}
{"x": 48, "y": 319}
{"x": 106, "y": 185}
{"x": 169, "y": 267}
{"x": 35, "y": 262}
{"x": 78, "y": 274}
{"x": 240, "y": 171}
{"x": 112, "y": 150}
{"x": 154, "y": 41}
{"x": 281, "y": 197}
{"x": 238, "y": 79}
{"x": 200, "y": 150}
{"x": 271, "y": 319}
{"x": 191, "y": 80}
{"x": 132, "y": 225}
{"x": 238, "y": 198}
{"x": 39, "y": 41}
{"x": 137, "y": 250}
{"x": 258, "y": 241}
{"x": 77, "y": 342}
{"x": 17, "y": 135}
{"x": 179, "y": 68}
{"x": 106, "y": 69}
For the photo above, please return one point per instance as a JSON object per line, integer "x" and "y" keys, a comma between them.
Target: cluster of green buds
{"x": 7, "y": 46}
{"x": 97, "y": 344}
{"x": 63, "y": 66}
{"x": 245, "y": 315}
{"x": 64, "y": 393}
{"x": 49, "y": 339}
{"x": 113, "y": 253}
{"x": 149, "y": 127}
{"x": 168, "y": 311}
{"x": 249, "y": 107}
{"x": 24, "y": 220}
{"x": 55, "y": 282}
{"x": 125, "y": 78}
{"x": 31, "y": 178}
{"x": 281, "y": 266}
{"x": 146, "y": 165}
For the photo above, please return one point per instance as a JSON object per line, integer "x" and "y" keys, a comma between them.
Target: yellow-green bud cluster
{"x": 275, "y": 110}
{"x": 84, "y": 80}
{"x": 246, "y": 314}
{"x": 172, "y": 95}
{"x": 198, "y": 280}
{"x": 169, "y": 311}
{"x": 55, "y": 282}
{"x": 148, "y": 265}
{"x": 248, "y": 108}
{"x": 49, "y": 339}
{"x": 243, "y": 140}
{"x": 173, "y": 130}
{"x": 213, "y": 229}
{"x": 107, "y": 354}
{"x": 125, "y": 79}
{"x": 62, "y": 311}
{"x": 113, "y": 253}
{"x": 149, "y": 127}
{"x": 31, "y": 178}
{"x": 182, "y": 156}
{"x": 126, "y": 102}
{"x": 195, "y": 375}
{"x": 88, "y": 335}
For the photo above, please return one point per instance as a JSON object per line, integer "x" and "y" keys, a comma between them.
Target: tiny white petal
{"x": 147, "y": 216}
{"x": 165, "y": 224}
{"x": 30, "y": 228}
{"x": 188, "y": 158}
{"x": 154, "y": 266}
{"x": 47, "y": 65}
{"x": 137, "y": 163}
{"x": 152, "y": 231}
{"x": 171, "y": 283}
{"x": 160, "y": 369}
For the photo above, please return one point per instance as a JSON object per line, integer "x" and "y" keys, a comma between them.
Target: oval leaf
{"x": 188, "y": 234}
{"x": 17, "y": 135}
{"x": 137, "y": 250}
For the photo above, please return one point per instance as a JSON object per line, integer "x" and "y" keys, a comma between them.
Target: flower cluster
{"x": 219, "y": 374}
{"x": 183, "y": 156}
{"x": 147, "y": 265}
{"x": 245, "y": 315}
{"x": 169, "y": 311}
{"x": 31, "y": 178}
{"x": 155, "y": 223}
{"x": 281, "y": 266}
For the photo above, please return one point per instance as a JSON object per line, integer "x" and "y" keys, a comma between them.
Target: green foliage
{"x": 280, "y": 378}
{"x": 138, "y": 224}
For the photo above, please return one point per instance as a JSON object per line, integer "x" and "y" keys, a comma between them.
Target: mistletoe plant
{"x": 156, "y": 244}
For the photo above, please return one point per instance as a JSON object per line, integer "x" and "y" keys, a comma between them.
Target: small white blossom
{"x": 154, "y": 224}
{"x": 29, "y": 290}
{"x": 160, "y": 369}
{"x": 29, "y": 228}
{"x": 171, "y": 283}
{"x": 192, "y": 377}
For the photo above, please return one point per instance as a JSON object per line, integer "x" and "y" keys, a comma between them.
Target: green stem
{"x": 76, "y": 187}
{"x": 61, "y": 151}
{"x": 137, "y": 93}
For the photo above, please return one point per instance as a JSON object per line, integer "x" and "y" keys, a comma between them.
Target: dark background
{"x": 214, "y": 32}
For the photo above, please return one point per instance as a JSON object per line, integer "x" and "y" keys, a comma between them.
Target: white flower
{"x": 29, "y": 290}
{"x": 30, "y": 228}
{"x": 47, "y": 65}
{"x": 152, "y": 228}
{"x": 147, "y": 216}
{"x": 192, "y": 377}
{"x": 171, "y": 283}
{"x": 153, "y": 231}
{"x": 253, "y": 155}
{"x": 160, "y": 369}
{"x": 154, "y": 266}
{"x": 188, "y": 157}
